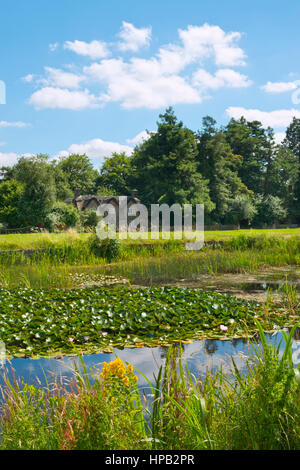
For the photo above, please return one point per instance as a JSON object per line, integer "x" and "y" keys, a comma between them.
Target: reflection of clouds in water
{"x": 296, "y": 352}
{"x": 2, "y": 354}
{"x": 200, "y": 356}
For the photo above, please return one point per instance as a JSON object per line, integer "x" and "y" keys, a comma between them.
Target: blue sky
{"x": 90, "y": 76}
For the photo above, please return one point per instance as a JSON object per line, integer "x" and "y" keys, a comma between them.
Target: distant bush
{"x": 89, "y": 219}
{"x": 108, "y": 248}
{"x": 62, "y": 215}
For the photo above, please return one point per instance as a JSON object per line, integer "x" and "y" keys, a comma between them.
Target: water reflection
{"x": 200, "y": 356}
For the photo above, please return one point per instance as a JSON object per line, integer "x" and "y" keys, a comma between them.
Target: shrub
{"x": 62, "y": 214}
{"x": 109, "y": 248}
{"x": 89, "y": 219}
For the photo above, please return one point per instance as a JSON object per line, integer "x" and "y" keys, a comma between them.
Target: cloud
{"x": 13, "y": 124}
{"x": 133, "y": 38}
{"x": 61, "y": 79}
{"x": 139, "y": 138}
{"x": 53, "y": 46}
{"x": 279, "y": 87}
{"x": 50, "y": 97}
{"x": 2, "y": 143}
{"x": 93, "y": 49}
{"x": 202, "y": 42}
{"x": 9, "y": 159}
{"x": 279, "y": 136}
{"x": 97, "y": 148}
{"x": 141, "y": 84}
{"x": 222, "y": 78}
{"x": 156, "y": 82}
{"x": 276, "y": 119}
{"x": 152, "y": 83}
{"x": 28, "y": 78}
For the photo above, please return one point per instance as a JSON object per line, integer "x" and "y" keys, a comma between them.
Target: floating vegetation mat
{"x": 81, "y": 280}
{"x": 69, "y": 321}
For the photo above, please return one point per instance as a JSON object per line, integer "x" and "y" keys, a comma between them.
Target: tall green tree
{"x": 284, "y": 177}
{"x": 292, "y": 141}
{"x": 219, "y": 165}
{"x": 10, "y": 194}
{"x": 79, "y": 173}
{"x": 165, "y": 166}
{"x": 256, "y": 145}
{"x": 116, "y": 174}
{"x": 39, "y": 192}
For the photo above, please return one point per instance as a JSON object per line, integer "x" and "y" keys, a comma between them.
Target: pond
{"x": 200, "y": 356}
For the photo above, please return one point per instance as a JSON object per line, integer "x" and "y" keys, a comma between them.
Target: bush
{"x": 269, "y": 210}
{"x": 62, "y": 215}
{"x": 109, "y": 248}
{"x": 89, "y": 218}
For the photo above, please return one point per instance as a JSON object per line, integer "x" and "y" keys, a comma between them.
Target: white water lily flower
{"x": 223, "y": 328}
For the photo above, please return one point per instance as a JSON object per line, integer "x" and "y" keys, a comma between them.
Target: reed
{"x": 257, "y": 410}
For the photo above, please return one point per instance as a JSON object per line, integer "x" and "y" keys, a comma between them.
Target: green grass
{"x": 144, "y": 264}
{"x": 44, "y": 240}
{"x": 259, "y": 410}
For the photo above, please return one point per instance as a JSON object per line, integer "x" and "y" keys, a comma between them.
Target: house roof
{"x": 100, "y": 200}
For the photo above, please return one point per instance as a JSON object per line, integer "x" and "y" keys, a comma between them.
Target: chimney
{"x": 134, "y": 192}
{"x": 76, "y": 193}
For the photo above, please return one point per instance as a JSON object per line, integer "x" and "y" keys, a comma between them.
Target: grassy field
{"x": 69, "y": 265}
{"x": 45, "y": 240}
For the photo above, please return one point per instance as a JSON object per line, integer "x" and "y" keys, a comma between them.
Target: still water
{"x": 200, "y": 356}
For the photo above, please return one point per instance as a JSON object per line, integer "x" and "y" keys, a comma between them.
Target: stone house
{"x": 90, "y": 202}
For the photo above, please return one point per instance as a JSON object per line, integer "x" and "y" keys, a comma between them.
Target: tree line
{"x": 237, "y": 171}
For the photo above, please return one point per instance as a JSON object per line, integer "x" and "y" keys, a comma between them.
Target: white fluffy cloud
{"x": 133, "y": 38}
{"x": 28, "y": 78}
{"x": 159, "y": 81}
{"x": 156, "y": 82}
{"x": 279, "y": 87}
{"x": 93, "y": 49}
{"x": 140, "y": 83}
{"x": 60, "y": 78}
{"x": 279, "y": 136}
{"x": 13, "y": 124}
{"x": 223, "y": 78}
{"x": 97, "y": 148}
{"x": 276, "y": 119}
{"x": 50, "y": 97}
{"x": 139, "y": 138}
{"x": 8, "y": 159}
{"x": 200, "y": 42}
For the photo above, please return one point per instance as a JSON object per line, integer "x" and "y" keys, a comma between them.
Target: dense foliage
{"x": 238, "y": 172}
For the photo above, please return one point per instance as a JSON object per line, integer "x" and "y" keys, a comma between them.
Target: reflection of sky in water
{"x": 200, "y": 356}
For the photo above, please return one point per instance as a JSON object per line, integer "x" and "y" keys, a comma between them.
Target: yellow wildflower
{"x": 126, "y": 381}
